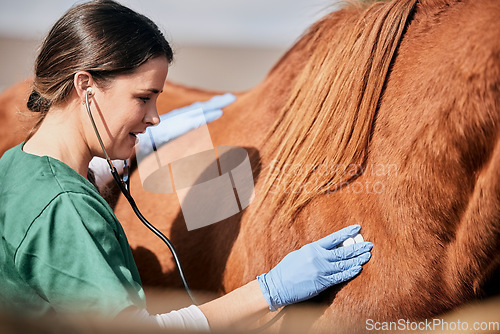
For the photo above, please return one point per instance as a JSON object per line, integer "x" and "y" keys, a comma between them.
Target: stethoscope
{"x": 124, "y": 185}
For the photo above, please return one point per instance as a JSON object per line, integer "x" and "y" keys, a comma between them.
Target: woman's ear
{"x": 82, "y": 81}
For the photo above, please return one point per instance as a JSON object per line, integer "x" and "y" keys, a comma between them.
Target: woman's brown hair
{"x": 101, "y": 37}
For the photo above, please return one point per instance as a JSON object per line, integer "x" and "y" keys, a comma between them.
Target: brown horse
{"x": 384, "y": 115}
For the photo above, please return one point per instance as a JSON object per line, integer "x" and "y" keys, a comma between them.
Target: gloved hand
{"x": 172, "y": 125}
{"x": 306, "y": 272}
{"x": 179, "y": 121}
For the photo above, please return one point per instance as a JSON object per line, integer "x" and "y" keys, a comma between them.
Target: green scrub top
{"x": 62, "y": 249}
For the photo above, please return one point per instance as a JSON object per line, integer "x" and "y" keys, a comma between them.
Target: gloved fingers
{"x": 196, "y": 118}
{"x": 184, "y": 111}
{"x": 160, "y": 134}
{"x": 216, "y": 102}
{"x": 344, "y": 265}
{"x": 348, "y": 252}
{"x": 219, "y": 101}
{"x": 338, "y": 237}
{"x": 99, "y": 166}
{"x": 191, "y": 115}
{"x": 212, "y": 114}
{"x": 344, "y": 275}
{"x": 171, "y": 128}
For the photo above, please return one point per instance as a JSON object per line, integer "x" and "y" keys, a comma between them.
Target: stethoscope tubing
{"x": 125, "y": 189}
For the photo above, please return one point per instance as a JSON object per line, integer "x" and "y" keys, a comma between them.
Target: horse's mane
{"x": 324, "y": 129}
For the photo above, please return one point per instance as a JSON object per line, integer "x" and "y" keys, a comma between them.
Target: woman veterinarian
{"x": 62, "y": 249}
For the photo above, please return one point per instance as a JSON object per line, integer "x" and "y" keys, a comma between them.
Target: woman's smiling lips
{"x": 134, "y": 135}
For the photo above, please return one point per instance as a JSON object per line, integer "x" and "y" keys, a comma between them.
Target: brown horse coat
{"x": 425, "y": 187}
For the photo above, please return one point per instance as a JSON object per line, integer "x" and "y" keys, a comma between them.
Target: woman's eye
{"x": 144, "y": 99}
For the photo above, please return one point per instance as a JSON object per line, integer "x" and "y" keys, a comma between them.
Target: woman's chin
{"x": 123, "y": 154}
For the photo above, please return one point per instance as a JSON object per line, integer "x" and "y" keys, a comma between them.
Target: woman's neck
{"x": 60, "y": 137}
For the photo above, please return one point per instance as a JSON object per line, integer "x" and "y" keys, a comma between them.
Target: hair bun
{"x": 38, "y": 103}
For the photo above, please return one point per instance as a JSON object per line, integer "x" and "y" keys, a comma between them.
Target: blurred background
{"x": 227, "y": 45}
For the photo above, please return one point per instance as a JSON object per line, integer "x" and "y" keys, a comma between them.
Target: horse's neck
{"x": 247, "y": 120}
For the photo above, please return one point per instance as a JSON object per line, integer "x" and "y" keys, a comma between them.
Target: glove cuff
{"x": 266, "y": 292}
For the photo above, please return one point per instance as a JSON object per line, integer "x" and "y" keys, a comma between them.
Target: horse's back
{"x": 430, "y": 195}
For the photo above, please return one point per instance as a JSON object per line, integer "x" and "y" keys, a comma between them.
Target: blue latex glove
{"x": 179, "y": 121}
{"x": 306, "y": 272}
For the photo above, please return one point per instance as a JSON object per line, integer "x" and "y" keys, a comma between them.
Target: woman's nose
{"x": 152, "y": 118}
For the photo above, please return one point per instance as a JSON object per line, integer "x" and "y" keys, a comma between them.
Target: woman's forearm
{"x": 238, "y": 308}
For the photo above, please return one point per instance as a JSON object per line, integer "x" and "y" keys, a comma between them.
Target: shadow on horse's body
{"x": 423, "y": 180}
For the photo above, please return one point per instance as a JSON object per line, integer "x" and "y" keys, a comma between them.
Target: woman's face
{"x": 126, "y": 107}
